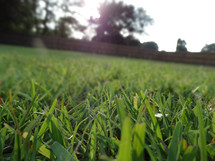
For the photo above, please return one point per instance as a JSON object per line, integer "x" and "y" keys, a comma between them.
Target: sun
{"x": 90, "y": 8}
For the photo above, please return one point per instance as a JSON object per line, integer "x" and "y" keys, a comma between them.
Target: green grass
{"x": 58, "y": 105}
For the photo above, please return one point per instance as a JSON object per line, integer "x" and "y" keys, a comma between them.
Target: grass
{"x": 58, "y": 105}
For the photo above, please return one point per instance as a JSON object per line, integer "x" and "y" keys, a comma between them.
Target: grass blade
{"x": 154, "y": 121}
{"x": 32, "y": 89}
{"x": 35, "y": 142}
{"x": 213, "y": 121}
{"x": 151, "y": 154}
{"x": 189, "y": 154}
{"x": 2, "y": 141}
{"x": 44, "y": 151}
{"x": 17, "y": 147}
{"x": 125, "y": 150}
{"x": 121, "y": 110}
{"x": 61, "y": 153}
{"x": 175, "y": 144}
{"x": 45, "y": 122}
{"x": 202, "y": 137}
{"x": 93, "y": 143}
{"x": 139, "y": 140}
{"x": 56, "y": 132}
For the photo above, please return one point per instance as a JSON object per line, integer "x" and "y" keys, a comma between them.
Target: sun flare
{"x": 90, "y": 8}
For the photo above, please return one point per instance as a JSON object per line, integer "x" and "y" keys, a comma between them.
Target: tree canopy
{"x": 30, "y": 17}
{"x": 209, "y": 48}
{"x": 150, "y": 46}
{"x": 118, "y": 23}
{"x": 17, "y": 16}
{"x": 181, "y": 46}
{"x": 68, "y": 22}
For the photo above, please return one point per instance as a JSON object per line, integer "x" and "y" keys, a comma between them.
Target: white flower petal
{"x": 159, "y": 115}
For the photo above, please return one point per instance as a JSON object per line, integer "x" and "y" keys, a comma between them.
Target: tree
{"x": 67, "y": 4}
{"x": 36, "y": 18}
{"x": 39, "y": 17}
{"x": 117, "y": 20}
{"x": 150, "y": 46}
{"x": 49, "y": 16}
{"x": 181, "y": 46}
{"x": 68, "y": 23}
{"x": 62, "y": 29}
{"x": 17, "y": 16}
{"x": 209, "y": 48}
{"x": 131, "y": 40}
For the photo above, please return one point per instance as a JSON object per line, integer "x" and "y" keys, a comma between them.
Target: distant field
{"x": 58, "y": 105}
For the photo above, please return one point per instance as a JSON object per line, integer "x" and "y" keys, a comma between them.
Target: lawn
{"x": 63, "y": 105}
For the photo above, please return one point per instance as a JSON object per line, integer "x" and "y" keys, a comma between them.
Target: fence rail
{"x": 107, "y": 49}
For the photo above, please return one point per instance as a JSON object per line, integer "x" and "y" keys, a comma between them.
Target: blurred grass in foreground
{"x": 58, "y": 105}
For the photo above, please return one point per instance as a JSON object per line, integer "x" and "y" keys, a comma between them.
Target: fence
{"x": 107, "y": 49}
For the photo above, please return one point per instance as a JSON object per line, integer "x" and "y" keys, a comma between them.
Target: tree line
{"x": 39, "y": 17}
{"x": 119, "y": 23}
{"x": 181, "y": 47}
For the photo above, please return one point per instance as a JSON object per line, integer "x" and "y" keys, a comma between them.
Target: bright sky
{"x": 190, "y": 20}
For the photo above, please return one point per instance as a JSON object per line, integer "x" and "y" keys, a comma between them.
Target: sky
{"x": 190, "y": 20}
